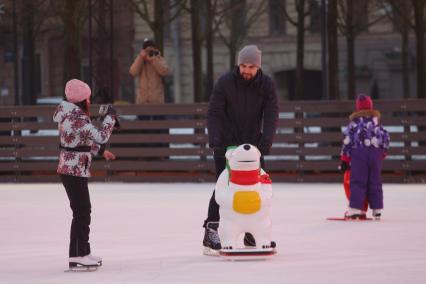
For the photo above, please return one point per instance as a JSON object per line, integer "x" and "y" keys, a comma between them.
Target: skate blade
{"x": 210, "y": 252}
{"x": 74, "y": 267}
{"x": 349, "y": 219}
{"x": 247, "y": 253}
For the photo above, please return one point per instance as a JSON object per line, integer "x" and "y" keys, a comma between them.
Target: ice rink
{"x": 151, "y": 233}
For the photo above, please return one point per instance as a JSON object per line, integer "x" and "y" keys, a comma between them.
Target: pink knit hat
{"x": 363, "y": 102}
{"x": 77, "y": 91}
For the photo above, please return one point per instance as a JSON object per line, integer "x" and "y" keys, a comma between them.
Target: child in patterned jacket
{"x": 79, "y": 140}
{"x": 365, "y": 145}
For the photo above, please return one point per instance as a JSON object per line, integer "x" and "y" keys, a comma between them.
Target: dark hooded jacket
{"x": 242, "y": 111}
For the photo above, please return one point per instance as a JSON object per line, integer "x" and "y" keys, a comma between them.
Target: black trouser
{"x": 78, "y": 194}
{"x": 213, "y": 211}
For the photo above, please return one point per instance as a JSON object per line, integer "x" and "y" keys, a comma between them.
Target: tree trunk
{"x": 28, "y": 56}
{"x": 196, "y": 51}
{"x": 404, "y": 55}
{"x": 209, "y": 47}
{"x": 420, "y": 30}
{"x": 333, "y": 54}
{"x": 18, "y": 100}
{"x": 351, "y": 66}
{"x": 235, "y": 12}
{"x": 158, "y": 25}
{"x": 350, "y": 41}
{"x": 72, "y": 41}
{"x": 232, "y": 57}
{"x": 300, "y": 52}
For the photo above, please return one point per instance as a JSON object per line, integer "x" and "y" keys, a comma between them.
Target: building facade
{"x": 377, "y": 53}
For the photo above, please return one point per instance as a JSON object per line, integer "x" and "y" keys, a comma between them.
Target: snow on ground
{"x": 151, "y": 233}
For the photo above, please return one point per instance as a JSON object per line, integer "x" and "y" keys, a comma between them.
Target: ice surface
{"x": 151, "y": 233}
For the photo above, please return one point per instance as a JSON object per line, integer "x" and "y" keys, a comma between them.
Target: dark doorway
{"x": 286, "y": 83}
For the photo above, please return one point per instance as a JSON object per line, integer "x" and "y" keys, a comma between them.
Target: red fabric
{"x": 345, "y": 158}
{"x": 245, "y": 177}
{"x": 248, "y": 177}
{"x": 265, "y": 179}
{"x": 364, "y": 102}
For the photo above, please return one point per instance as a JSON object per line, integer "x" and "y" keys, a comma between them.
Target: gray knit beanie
{"x": 250, "y": 54}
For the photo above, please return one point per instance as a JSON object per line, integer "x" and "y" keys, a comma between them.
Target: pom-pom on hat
{"x": 364, "y": 102}
{"x": 77, "y": 91}
{"x": 147, "y": 43}
{"x": 250, "y": 54}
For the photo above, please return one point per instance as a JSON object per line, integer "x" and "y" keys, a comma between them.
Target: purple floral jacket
{"x": 364, "y": 130}
{"x": 76, "y": 130}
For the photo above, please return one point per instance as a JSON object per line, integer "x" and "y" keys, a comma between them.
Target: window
{"x": 315, "y": 16}
{"x": 277, "y": 20}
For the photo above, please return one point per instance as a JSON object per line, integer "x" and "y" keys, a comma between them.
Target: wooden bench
{"x": 169, "y": 143}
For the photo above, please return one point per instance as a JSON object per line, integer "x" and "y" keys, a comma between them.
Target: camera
{"x": 104, "y": 110}
{"x": 153, "y": 53}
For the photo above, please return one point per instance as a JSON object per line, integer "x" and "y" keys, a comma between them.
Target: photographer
{"x": 149, "y": 67}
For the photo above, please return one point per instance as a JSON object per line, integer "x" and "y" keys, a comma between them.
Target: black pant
{"x": 78, "y": 194}
{"x": 213, "y": 211}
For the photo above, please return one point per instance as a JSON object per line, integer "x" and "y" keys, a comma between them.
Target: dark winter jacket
{"x": 243, "y": 111}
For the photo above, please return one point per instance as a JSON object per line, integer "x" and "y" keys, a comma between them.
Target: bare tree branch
{"x": 397, "y": 7}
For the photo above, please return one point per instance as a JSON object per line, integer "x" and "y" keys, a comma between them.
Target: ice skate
{"x": 377, "y": 214}
{"x": 98, "y": 259}
{"x": 82, "y": 263}
{"x": 211, "y": 241}
{"x": 355, "y": 214}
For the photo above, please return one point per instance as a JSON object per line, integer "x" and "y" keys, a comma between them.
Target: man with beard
{"x": 243, "y": 109}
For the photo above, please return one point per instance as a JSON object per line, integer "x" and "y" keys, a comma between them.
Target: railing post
{"x": 299, "y": 131}
{"x": 405, "y": 122}
{"x": 16, "y": 133}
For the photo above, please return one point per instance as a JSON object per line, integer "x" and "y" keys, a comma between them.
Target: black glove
{"x": 344, "y": 166}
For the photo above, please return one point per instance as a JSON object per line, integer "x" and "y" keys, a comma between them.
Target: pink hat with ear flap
{"x": 77, "y": 91}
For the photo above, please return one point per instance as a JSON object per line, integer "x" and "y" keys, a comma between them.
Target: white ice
{"x": 151, "y": 233}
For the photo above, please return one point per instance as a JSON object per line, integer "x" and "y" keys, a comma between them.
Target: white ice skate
{"x": 82, "y": 263}
{"x": 98, "y": 259}
{"x": 377, "y": 214}
{"x": 354, "y": 214}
